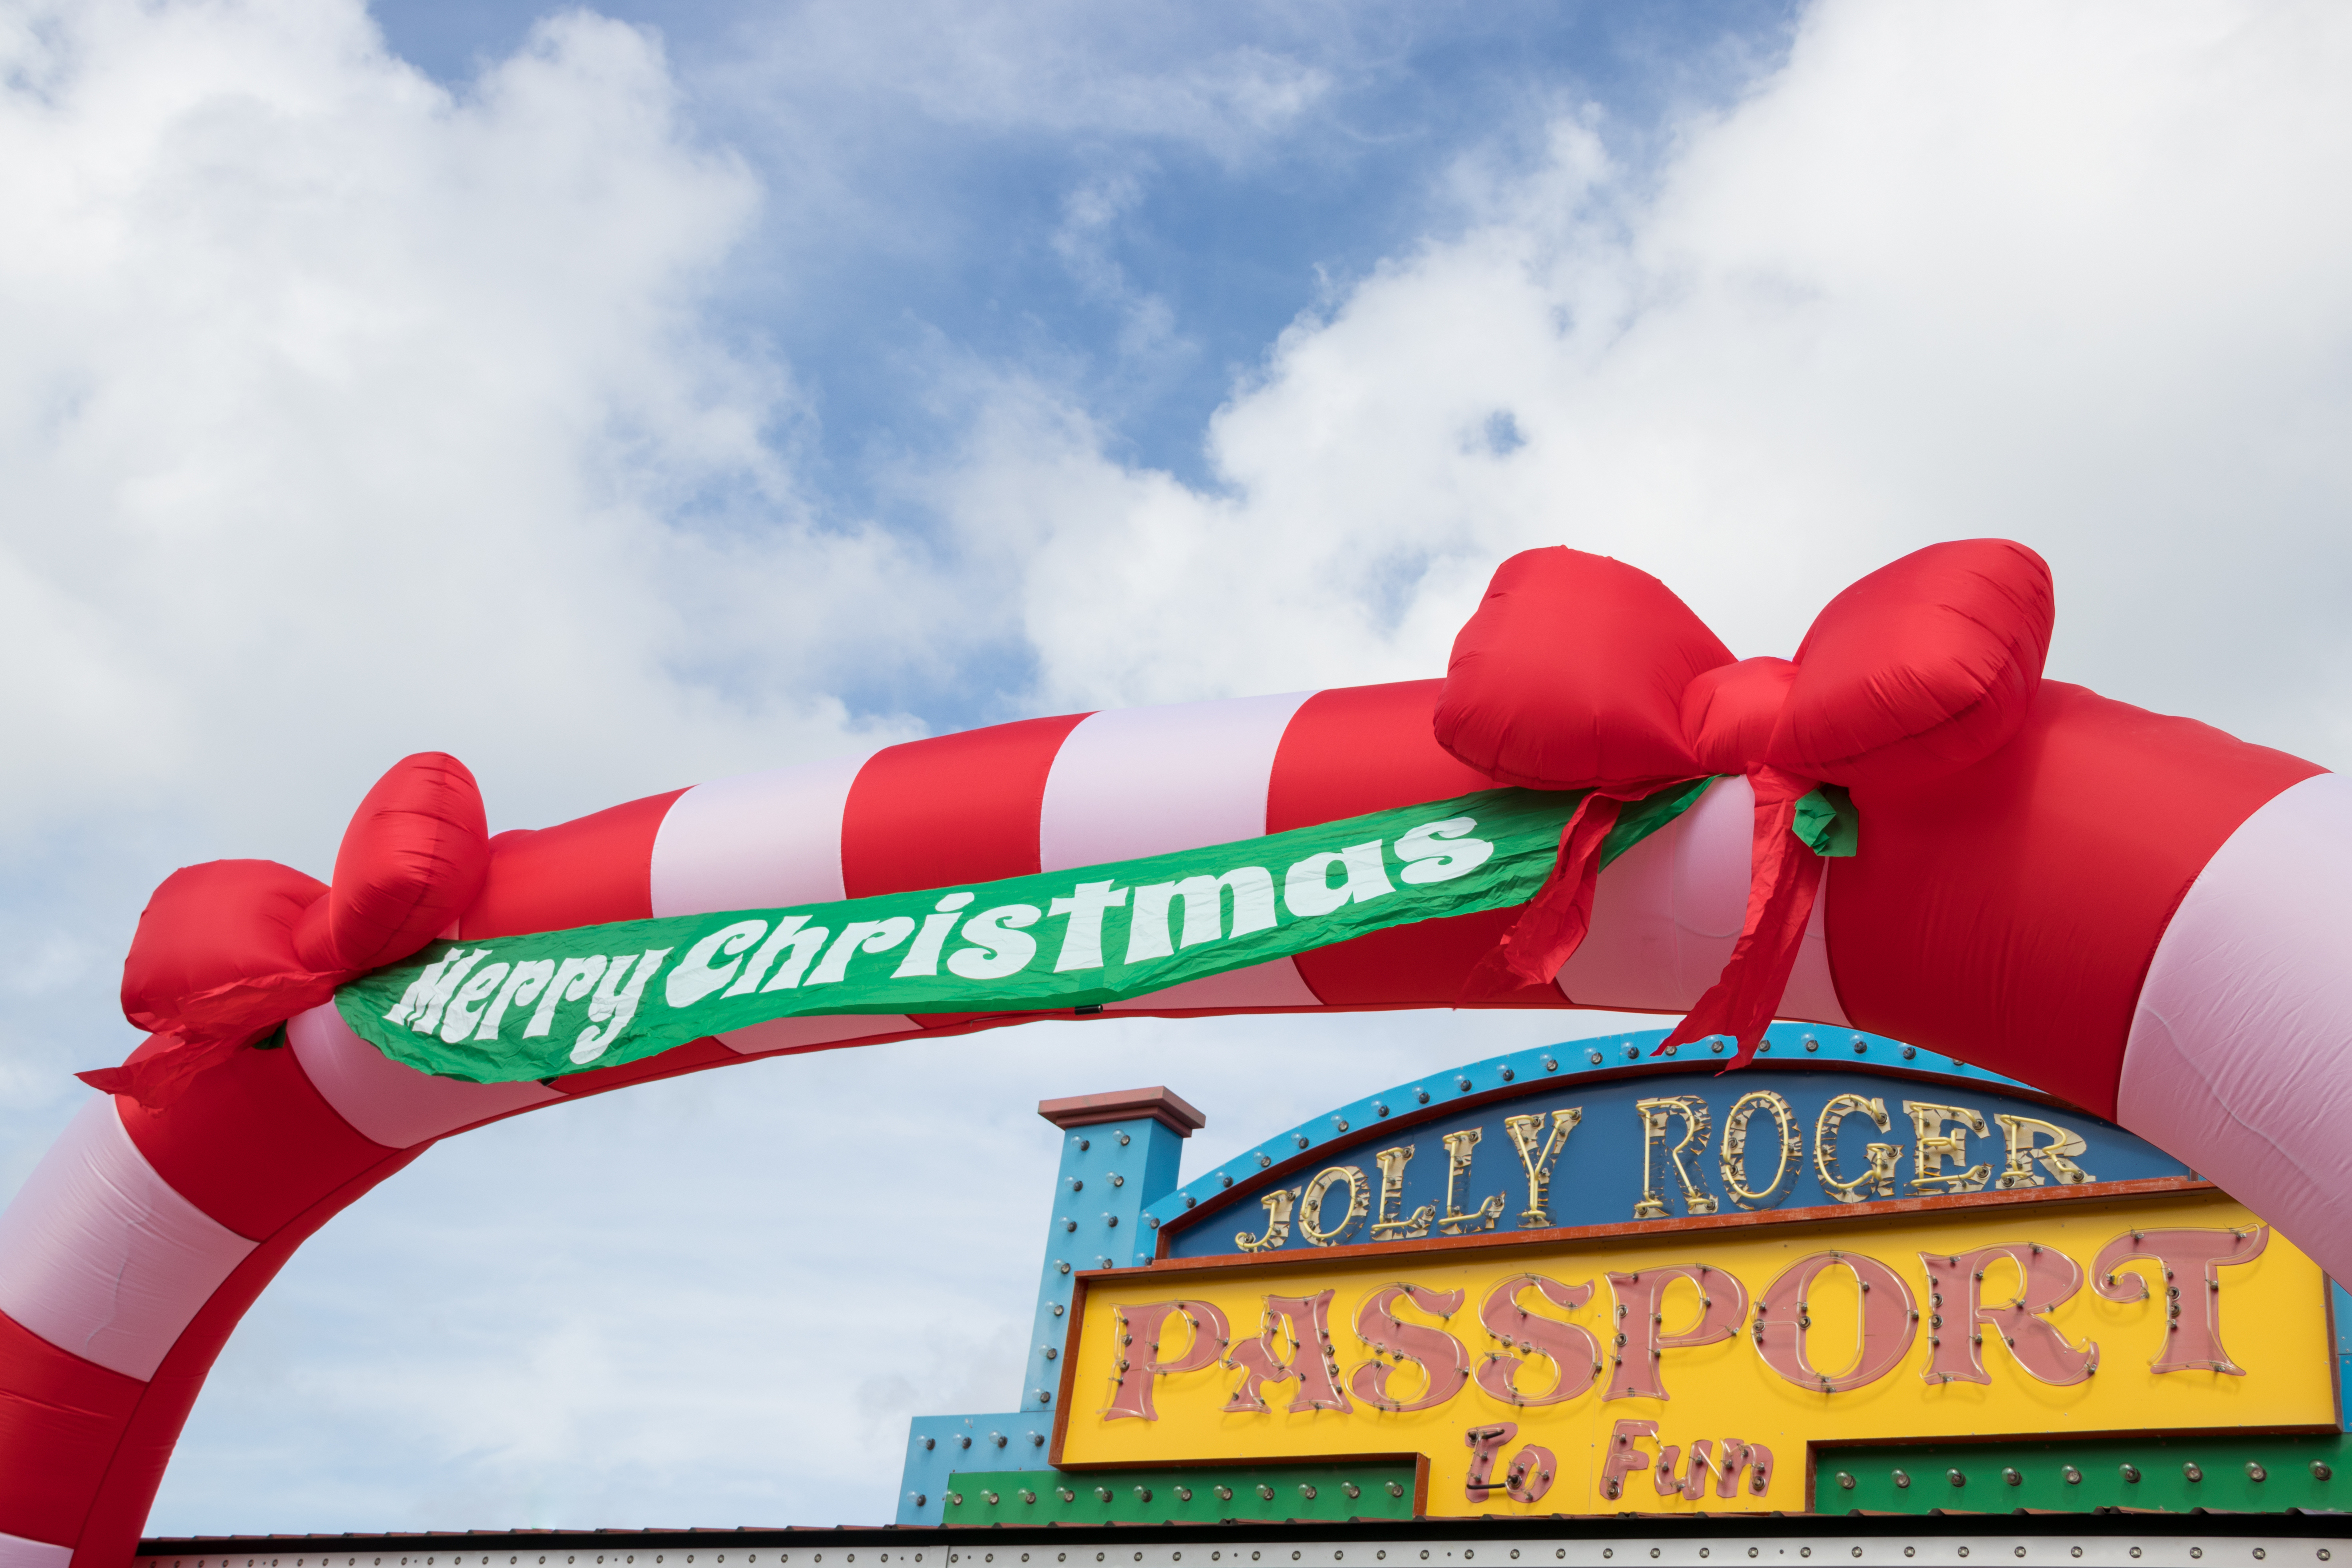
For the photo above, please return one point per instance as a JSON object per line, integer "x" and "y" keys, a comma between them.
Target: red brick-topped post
{"x": 1162, "y": 1105}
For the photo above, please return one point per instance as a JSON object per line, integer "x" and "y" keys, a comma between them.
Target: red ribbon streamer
{"x": 1557, "y": 918}
{"x": 210, "y": 1028}
{"x": 1784, "y": 878}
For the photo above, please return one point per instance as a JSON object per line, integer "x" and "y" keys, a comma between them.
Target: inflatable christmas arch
{"x": 1903, "y": 829}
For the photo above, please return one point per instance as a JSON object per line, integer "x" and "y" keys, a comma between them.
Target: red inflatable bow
{"x": 228, "y": 951}
{"x": 1580, "y": 672}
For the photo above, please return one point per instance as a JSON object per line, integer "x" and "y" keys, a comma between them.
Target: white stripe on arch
{"x": 1668, "y": 913}
{"x": 2235, "y": 1062}
{"x": 15, "y": 1551}
{"x": 390, "y": 1102}
{"x": 758, "y": 841}
{"x": 101, "y": 1257}
{"x": 1131, "y": 782}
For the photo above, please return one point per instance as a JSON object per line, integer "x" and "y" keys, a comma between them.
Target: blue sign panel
{"x": 1661, "y": 1146}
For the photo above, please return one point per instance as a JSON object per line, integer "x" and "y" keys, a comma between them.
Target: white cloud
{"x": 2076, "y": 276}
{"x": 1058, "y": 68}
{"x": 342, "y": 417}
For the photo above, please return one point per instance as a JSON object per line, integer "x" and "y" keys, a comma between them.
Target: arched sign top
{"x": 1553, "y": 1139}
{"x": 1349, "y": 1128}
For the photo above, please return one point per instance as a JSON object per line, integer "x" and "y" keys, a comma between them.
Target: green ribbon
{"x": 508, "y": 1009}
{"x": 1827, "y": 821}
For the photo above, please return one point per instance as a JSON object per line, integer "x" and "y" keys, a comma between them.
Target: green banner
{"x": 506, "y": 1009}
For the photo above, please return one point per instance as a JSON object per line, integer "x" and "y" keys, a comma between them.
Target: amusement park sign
{"x": 1592, "y": 1282}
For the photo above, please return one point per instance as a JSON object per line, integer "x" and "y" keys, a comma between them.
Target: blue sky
{"x": 1125, "y": 207}
{"x": 967, "y": 219}
{"x": 619, "y": 398}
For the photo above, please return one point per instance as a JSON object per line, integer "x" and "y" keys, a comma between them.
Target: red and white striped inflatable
{"x": 2137, "y": 912}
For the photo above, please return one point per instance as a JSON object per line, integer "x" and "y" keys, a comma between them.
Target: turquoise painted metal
{"x": 1110, "y": 1174}
{"x": 2340, "y": 1312}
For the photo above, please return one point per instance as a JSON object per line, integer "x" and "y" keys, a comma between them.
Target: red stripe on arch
{"x": 584, "y": 872}
{"x": 109, "y": 1531}
{"x": 59, "y": 1419}
{"x": 953, "y": 809}
{"x": 1371, "y": 748}
{"x": 250, "y": 1143}
{"x": 1358, "y": 749}
{"x": 2008, "y": 913}
{"x": 693, "y": 1056}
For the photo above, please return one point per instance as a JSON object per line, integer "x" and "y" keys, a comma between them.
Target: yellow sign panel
{"x": 1692, "y": 1370}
